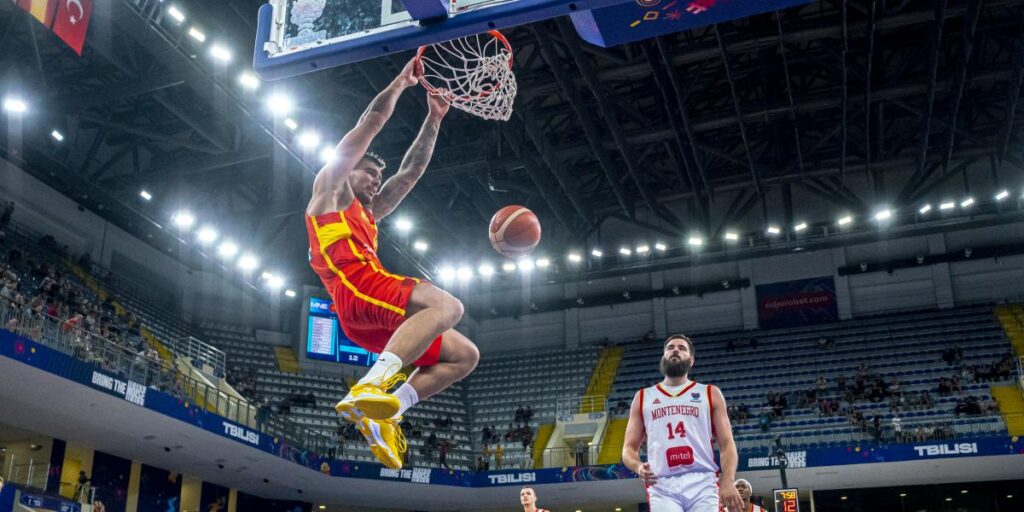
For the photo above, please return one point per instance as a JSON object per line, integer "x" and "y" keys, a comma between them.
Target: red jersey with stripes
{"x": 679, "y": 429}
{"x": 355, "y": 227}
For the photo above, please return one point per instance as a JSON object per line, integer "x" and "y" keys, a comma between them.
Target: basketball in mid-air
{"x": 515, "y": 231}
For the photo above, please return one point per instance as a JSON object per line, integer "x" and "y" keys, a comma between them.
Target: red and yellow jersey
{"x": 340, "y": 238}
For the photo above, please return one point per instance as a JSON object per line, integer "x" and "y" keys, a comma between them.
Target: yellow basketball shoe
{"x": 370, "y": 400}
{"x": 387, "y": 441}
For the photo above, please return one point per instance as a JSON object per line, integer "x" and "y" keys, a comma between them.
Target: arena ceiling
{"x": 849, "y": 103}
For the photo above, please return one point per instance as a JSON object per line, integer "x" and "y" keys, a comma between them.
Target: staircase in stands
{"x": 601, "y": 379}
{"x": 1011, "y": 397}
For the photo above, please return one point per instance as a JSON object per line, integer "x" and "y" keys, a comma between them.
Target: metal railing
{"x": 570, "y": 456}
{"x": 130, "y": 365}
{"x": 565, "y": 407}
{"x": 31, "y": 474}
{"x": 201, "y": 355}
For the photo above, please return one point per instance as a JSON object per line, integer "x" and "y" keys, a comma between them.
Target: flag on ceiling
{"x": 68, "y": 19}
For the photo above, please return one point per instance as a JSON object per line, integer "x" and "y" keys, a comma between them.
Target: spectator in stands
{"x": 528, "y": 415}
{"x": 480, "y": 464}
{"x": 649, "y": 337}
{"x": 442, "y": 453}
{"x": 821, "y": 384}
{"x": 967, "y": 406}
{"x": 499, "y": 454}
{"x": 825, "y": 343}
{"x": 765, "y": 420}
{"x": 5, "y": 217}
{"x": 520, "y": 414}
{"x": 954, "y": 384}
{"x": 897, "y": 429}
{"x": 485, "y": 435}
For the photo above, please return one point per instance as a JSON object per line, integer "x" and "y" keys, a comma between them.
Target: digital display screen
{"x": 325, "y": 341}
{"x": 787, "y": 500}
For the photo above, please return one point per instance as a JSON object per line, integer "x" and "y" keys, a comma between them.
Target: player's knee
{"x": 472, "y": 356}
{"x": 453, "y": 311}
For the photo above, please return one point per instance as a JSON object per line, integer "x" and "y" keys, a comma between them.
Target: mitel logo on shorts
{"x": 932, "y": 450}
{"x": 514, "y": 478}
{"x": 679, "y": 456}
{"x": 241, "y": 433}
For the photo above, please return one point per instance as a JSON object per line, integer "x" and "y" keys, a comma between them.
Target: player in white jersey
{"x": 746, "y": 491}
{"x": 678, "y": 418}
{"x": 528, "y": 499}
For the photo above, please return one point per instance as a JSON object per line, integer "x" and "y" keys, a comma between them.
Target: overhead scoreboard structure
{"x": 294, "y": 37}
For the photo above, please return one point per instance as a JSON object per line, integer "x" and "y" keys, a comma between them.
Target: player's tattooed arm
{"x": 331, "y": 185}
{"x": 415, "y": 162}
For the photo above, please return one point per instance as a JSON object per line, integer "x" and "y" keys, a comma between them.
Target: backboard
{"x": 300, "y": 36}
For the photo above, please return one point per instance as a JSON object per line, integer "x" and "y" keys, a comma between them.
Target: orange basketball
{"x": 515, "y": 231}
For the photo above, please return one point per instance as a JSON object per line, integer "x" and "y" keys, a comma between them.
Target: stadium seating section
{"x": 909, "y": 346}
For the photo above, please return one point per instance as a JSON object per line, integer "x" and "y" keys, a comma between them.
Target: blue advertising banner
{"x": 110, "y": 475}
{"x": 796, "y": 303}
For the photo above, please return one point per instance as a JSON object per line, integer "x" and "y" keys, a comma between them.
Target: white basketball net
{"x": 473, "y": 74}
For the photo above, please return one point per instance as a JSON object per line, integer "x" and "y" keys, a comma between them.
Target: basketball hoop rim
{"x": 494, "y": 33}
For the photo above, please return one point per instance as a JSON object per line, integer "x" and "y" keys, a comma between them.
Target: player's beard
{"x": 673, "y": 368}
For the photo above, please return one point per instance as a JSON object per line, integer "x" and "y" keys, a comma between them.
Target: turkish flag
{"x": 71, "y": 22}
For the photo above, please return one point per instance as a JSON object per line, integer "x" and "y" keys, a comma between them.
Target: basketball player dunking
{"x": 746, "y": 491}
{"x": 678, "y": 418}
{"x": 405, "y": 320}
{"x": 528, "y": 499}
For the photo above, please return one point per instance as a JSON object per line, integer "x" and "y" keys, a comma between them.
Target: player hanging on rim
{"x": 405, "y": 320}
{"x": 678, "y": 418}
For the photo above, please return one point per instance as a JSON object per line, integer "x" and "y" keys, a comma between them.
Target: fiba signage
{"x": 513, "y": 478}
{"x": 935, "y": 450}
{"x": 795, "y": 303}
{"x": 793, "y": 459}
{"x": 241, "y": 433}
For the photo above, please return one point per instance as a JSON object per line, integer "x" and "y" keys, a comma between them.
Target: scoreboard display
{"x": 787, "y": 500}
{"x": 325, "y": 341}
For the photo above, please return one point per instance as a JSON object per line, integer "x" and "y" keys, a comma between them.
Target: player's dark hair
{"x": 688, "y": 341}
{"x": 375, "y": 158}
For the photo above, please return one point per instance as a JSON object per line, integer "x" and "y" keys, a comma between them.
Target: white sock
{"x": 407, "y": 395}
{"x": 387, "y": 365}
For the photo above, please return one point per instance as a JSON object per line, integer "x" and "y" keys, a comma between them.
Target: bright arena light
{"x": 266, "y": 275}
{"x": 249, "y": 81}
{"x": 275, "y": 282}
{"x": 883, "y": 214}
{"x": 486, "y": 270}
{"x": 774, "y": 230}
{"x": 57, "y": 136}
{"x": 220, "y": 53}
{"x": 227, "y": 249}
{"x": 800, "y": 227}
{"x": 420, "y": 246}
{"x": 625, "y": 251}
{"x": 967, "y": 202}
{"x": 327, "y": 154}
{"x": 947, "y": 205}
{"x": 446, "y": 273}
{"x": 925, "y": 209}
{"x": 732, "y": 236}
{"x": 206, "y": 235}
{"x": 1003, "y": 194}
{"x": 289, "y": 293}
{"x": 403, "y": 224}
{"x": 464, "y": 274}
{"x": 575, "y": 258}
{"x": 291, "y": 124}
{"x": 597, "y": 253}
{"x": 695, "y": 241}
{"x": 508, "y": 266}
{"x": 194, "y": 33}
{"x": 660, "y": 246}
{"x": 843, "y": 221}
{"x": 15, "y": 105}
{"x": 643, "y": 249}
{"x": 184, "y": 219}
{"x": 145, "y": 195}
{"x": 280, "y": 105}
{"x": 248, "y": 262}
{"x": 525, "y": 265}
{"x": 309, "y": 139}
{"x": 173, "y": 12}
{"x": 543, "y": 263}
